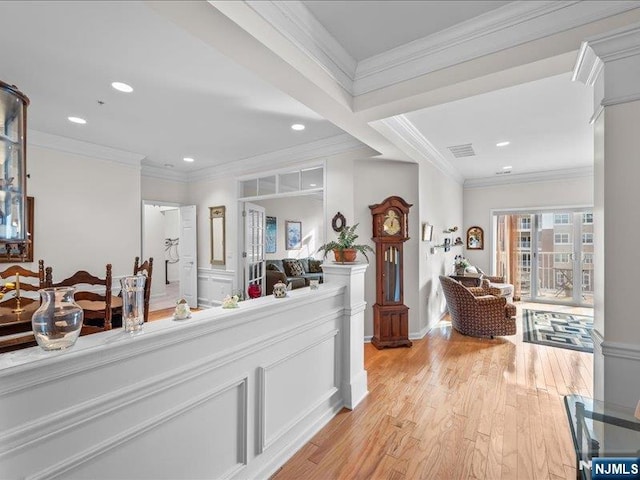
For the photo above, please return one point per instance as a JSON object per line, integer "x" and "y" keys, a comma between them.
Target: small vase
{"x": 133, "y": 302}
{"x": 57, "y": 323}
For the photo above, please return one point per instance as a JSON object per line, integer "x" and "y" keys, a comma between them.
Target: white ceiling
{"x": 367, "y": 28}
{"x": 189, "y": 100}
{"x": 547, "y": 123}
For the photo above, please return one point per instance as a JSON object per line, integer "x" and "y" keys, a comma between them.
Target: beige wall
{"x": 168, "y": 191}
{"x": 479, "y": 202}
{"x": 87, "y": 212}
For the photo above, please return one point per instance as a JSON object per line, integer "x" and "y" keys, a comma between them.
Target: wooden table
{"x": 15, "y": 328}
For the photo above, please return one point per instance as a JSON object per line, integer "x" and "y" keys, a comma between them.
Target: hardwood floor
{"x": 454, "y": 407}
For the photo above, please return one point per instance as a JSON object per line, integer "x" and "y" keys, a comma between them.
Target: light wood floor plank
{"x": 454, "y": 407}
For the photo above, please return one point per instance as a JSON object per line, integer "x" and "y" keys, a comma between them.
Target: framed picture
{"x": 475, "y": 238}
{"x": 293, "y": 235}
{"x": 427, "y": 232}
{"x": 271, "y": 235}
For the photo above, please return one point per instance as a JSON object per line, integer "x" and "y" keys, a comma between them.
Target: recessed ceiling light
{"x": 297, "y": 126}
{"x": 79, "y": 120}
{"x": 313, "y": 185}
{"x": 189, "y": 159}
{"x": 122, "y": 87}
{"x": 508, "y": 167}
{"x": 502, "y": 144}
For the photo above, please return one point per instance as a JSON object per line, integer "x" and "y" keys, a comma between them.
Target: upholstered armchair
{"x": 476, "y": 312}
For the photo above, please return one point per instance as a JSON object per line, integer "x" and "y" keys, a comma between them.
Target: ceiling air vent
{"x": 465, "y": 150}
{"x": 503, "y": 172}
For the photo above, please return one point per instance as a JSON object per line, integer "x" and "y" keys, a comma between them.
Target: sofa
{"x": 295, "y": 271}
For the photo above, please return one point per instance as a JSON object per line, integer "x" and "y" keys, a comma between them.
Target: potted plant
{"x": 344, "y": 248}
{"x": 461, "y": 264}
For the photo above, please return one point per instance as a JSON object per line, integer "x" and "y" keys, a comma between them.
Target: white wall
{"x": 373, "y": 182}
{"x": 153, "y": 246}
{"x": 164, "y": 190}
{"x": 171, "y": 230}
{"x": 440, "y": 206}
{"x": 307, "y": 209}
{"x": 478, "y": 203}
{"x": 87, "y": 213}
{"x": 212, "y": 193}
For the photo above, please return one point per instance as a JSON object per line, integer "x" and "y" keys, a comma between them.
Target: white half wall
{"x": 479, "y": 202}
{"x": 308, "y": 209}
{"x": 87, "y": 213}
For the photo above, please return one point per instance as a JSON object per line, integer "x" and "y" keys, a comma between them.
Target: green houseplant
{"x": 344, "y": 248}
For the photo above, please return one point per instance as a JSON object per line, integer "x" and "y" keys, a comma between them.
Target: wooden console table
{"x": 468, "y": 280}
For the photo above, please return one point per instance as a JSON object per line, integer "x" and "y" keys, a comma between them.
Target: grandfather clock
{"x": 390, "y": 315}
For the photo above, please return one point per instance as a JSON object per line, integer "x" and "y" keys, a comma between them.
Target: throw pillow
{"x": 292, "y": 268}
{"x": 272, "y": 266}
{"x": 314, "y": 266}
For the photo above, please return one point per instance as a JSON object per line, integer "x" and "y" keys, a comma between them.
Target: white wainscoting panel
{"x": 198, "y": 398}
{"x": 214, "y": 285}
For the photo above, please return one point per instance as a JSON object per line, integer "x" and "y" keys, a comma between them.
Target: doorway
{"x": 547, "y": 255}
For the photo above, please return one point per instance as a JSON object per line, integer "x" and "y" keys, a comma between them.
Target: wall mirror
{"x": 217, "y": 221}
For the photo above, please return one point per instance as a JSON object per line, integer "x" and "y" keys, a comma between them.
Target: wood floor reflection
{"x": 454, "y": 407}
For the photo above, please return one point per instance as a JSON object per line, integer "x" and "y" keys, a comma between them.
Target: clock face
{"x": 391, "y": 225}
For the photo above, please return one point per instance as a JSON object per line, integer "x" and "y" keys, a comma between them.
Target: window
{"x": 586, "y": 281}
{"x": 588, "y": 258}
{"x": 587, "y": 238}
{"x": 561, "y": 257}
{"x": 525, "y": 260}
{"x": 524, "y": 240}
{"x": 525, "y": 223}
{"x": 562, "y": 219}
{"x": 559, "y": 279}
{"x": 561, "y": 238}
{"x": 587, "y": 218}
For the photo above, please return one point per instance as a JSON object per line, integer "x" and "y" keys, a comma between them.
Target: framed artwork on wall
{"x": 293, "y": 235}
{"x": 271, "y": 235}
{"x": 475, "y": 238}
{"x": 427, "y": 232}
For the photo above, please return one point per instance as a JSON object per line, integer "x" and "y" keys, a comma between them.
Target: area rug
{"x": 556, "y": 329}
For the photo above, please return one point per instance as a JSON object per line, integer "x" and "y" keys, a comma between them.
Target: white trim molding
{"x": 294, "y": 21}
{"x": 626, "y": 351}
{"x": 164, "y": 174}
{"x": 78, "y": 147}
{"x": 508, "y": 26}
{"x": 533, "y": 177}
{"x": 326, "y": 147}
{"x": 401, "y": 132}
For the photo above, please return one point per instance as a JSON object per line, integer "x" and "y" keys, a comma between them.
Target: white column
{"x": 354, "y": 376}
{"x": 611, "y": 62}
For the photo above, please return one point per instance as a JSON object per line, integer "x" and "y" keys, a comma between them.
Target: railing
{"x": 555, "y": 278}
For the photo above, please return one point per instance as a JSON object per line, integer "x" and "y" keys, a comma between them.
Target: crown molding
{"x": 531, "y": 177}
{"x": 588, "y": 66}
{"x": 327, "y": 147}
{"x": 78, "y": 147}
{"x": 294, "y": 21}
{"x": 508, "y": 26}
{"x": 164, "y": 174}
{"x": 616, "y": 45}
{"x": 400, "y": 131}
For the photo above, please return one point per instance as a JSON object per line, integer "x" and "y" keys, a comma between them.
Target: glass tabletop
{"x": 601, "y": 429}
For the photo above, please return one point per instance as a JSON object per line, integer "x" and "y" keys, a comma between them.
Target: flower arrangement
{"x": 461, "y": 263}
{"x": 230, "y": 301}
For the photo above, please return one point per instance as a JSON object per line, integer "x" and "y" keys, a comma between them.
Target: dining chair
{"x": 145, "y": 268}
{"x": 17, "y": 307}
{"x": 96, "y": 303}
